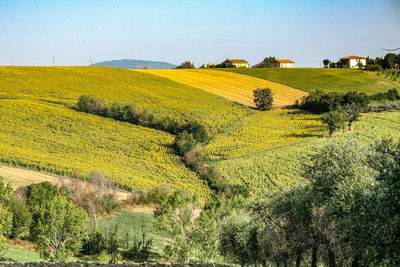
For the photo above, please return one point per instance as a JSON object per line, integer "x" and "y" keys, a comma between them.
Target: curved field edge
{"x": 57, "y": 139}
{"x": 235, "y": 87}
{"x": 280, "y": 166}
{"x": 328, "y": 80}
{"x": 160, "y": 95}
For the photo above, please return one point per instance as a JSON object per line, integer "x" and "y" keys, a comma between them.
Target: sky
{"x": 83, "y": 31}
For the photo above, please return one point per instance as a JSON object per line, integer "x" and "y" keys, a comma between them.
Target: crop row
{"x": 57, "y": 139}
{"x": 233, "y": 86}
{"x": 265, "y": 130}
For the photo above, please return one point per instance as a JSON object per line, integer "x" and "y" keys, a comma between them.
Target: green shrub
{"x": 22, "y": 218}
{"x": 263, "y": 99}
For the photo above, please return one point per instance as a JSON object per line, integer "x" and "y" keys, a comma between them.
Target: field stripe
{"x": 233, "y": 86}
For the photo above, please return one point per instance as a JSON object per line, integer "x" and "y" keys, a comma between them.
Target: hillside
{"x": 235, "y": 87}
{"x": 259, "y": 149}
{"x": 39, "y": 133}
{"x": 135, "y": 64}
{"x": 328, "y": 80}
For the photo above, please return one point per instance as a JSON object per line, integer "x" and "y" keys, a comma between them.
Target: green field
{"x": 132, "y": 223}
{"x": 18, "y": 254}
{"x": 328, "y": 80}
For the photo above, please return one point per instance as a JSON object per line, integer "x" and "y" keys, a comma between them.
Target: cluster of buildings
{"x": 348, "y": 62}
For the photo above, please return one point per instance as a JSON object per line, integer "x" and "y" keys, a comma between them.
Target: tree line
{"x": 189, "y": 135}
{"x": 340, "y": 110}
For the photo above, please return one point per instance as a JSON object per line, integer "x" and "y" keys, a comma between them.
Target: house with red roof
{"x": 353, "y": 61}
{"x": 282, "y": 63}
{"x": 235, "y": 63}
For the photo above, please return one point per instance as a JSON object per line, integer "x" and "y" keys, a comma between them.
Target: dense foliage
{"x": 186, "y": 65}
{"x": 342, "y": 215}
{"x": 319, "y": 102}
{"x": 263, "y": 99}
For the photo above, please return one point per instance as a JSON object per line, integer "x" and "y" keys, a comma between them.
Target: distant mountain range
{"x": 135, "y": 64}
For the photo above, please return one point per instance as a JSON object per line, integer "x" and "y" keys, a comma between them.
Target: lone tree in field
{"x": 263, "y": 98}
{"x": 186, "y": 65}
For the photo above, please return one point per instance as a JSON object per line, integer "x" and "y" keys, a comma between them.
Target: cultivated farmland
{"x": 328, "y": 80}
{"x": 258, "y": 149}
{"x": 232, "y": 86}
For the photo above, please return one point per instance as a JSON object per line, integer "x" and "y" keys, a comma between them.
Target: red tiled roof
{"x": 353, "y": 57}
{"x": 236, "y": 60}
{"x": 284, "y": 61}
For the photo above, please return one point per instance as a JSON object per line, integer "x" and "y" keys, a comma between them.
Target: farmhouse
{"x": 282, "y": 63}
{"x": 235, "y": 63}
{"x": 352, "y": 61}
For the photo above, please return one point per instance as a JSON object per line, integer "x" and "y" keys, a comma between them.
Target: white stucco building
{"x": 282, "y": 63}
{"x": 352, "y": 61}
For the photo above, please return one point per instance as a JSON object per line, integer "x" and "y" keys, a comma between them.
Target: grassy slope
{"x": 233, "y": 86}
{"x": 328, "y": 80}
{"x": 131, "y": 223}
{"x": 19, "y": 254}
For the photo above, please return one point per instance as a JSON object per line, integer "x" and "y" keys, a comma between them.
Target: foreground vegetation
{"x": 327, "y": 80}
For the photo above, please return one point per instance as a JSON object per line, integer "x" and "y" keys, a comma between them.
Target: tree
{"x": 176, "y": 217}
{"x": 263, "y": 98}
{"x": 207, "y": 229}
{"x": 62, "y": 229}
{"x": 5, "y": 228}
{"x": 234, "y": 239}
{"x": 186, "y": 65}
{"x": 389, "y": 60}
{"x": 360, "y": 65}
{"x": 21, "y": 218}
{"x": 334, "y": 120}
{"x": 352, "y": 113}
{"x": 326, "y": 63}
{"x": 266, "y": 63}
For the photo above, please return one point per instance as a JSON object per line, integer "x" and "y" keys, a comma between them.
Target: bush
{"x": 94, "y": 244}
{"x": 184, "y": 142}
{"x": 374, "y": 67}
{"x": 263, "y": 99}
{"x": 334, "y": 120}
{"x": 155, "y": 195}
{"x": 319, "y": 102}
{"x": 21, "y": 218}
{"x": 91, "y": 104}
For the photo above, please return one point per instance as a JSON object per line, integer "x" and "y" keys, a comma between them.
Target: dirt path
{"x": 21, "y": 177}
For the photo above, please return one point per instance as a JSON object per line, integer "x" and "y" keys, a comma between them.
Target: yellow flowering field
{"x": 161, "y": 95}
{"x": 54, "y": 138}
{"x": 265, "y": 130}
{"x": 233, "y": 86}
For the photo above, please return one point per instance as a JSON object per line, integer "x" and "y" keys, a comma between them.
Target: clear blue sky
{"x": 74, "y": 32}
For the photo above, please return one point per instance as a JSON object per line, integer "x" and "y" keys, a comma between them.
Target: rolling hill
{"x": 328, "y": 80}
{"x": 135, "y": 64}
{"x": 237, "y": 88}
{"x": 261, "y": 150}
